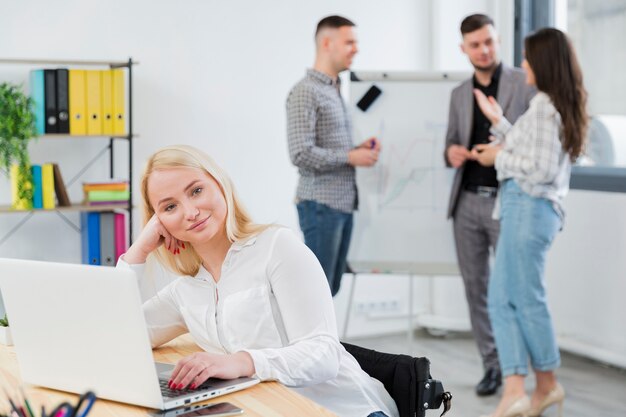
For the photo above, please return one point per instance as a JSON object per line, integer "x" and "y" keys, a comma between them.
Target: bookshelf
{"x": 109, "y": 149}
{"x": 73, "y": 207}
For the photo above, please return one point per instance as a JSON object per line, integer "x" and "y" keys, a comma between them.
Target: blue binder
{"x": 38, "y": 96}
{"x": 37, "y": 187}
{"x": 90, "y": 238}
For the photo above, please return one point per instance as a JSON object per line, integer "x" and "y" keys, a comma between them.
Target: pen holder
{"x": 5, "y": 336}
{"x": 65, "y": 409}
{"x": 20, "y": 406}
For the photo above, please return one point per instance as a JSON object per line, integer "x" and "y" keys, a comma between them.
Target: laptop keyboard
{"x": 172, "y": 393}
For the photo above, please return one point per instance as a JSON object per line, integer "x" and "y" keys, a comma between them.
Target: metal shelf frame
{"x": 109, "y": 148}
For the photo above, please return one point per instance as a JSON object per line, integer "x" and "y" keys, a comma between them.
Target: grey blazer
{"x": 513, "y": 96}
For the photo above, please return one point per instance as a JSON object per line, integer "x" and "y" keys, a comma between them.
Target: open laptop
{"x": 81, "y": 327}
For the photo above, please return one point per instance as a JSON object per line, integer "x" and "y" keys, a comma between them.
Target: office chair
{"x": 407, "y": 380}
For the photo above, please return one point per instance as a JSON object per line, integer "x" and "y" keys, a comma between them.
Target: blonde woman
{"x": 253, "y": 297}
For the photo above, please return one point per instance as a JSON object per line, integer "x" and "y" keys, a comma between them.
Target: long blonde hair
{"x": 238, "y": 225}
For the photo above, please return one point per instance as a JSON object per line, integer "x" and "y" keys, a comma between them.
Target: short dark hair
{"x": 334, "y": 22}
{"x": 475, "y": 22}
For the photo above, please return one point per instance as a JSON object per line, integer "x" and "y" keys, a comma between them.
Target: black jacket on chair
{"x": 405, "y": 378}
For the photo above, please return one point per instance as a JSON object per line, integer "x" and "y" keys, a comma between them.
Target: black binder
{"x": 63, "y": 112}
{"x": 50, "y": 88}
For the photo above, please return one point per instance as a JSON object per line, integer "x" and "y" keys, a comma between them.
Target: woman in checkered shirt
{"x": 533, "y": 160}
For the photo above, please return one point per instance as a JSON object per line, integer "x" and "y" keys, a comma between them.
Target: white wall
{"x": 597, "y": 30}
{"x": 586, "y": 276}
{"x": 446, "y": 38}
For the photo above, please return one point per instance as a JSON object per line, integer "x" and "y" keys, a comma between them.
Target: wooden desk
{"x": 267, "y": 399}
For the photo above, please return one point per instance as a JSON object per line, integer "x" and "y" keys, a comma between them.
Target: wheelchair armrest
{"x": 431, "y": 395}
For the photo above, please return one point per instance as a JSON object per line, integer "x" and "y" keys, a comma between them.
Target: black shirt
{"x": 476, "y": 174}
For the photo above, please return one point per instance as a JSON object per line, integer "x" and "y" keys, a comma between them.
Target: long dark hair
{"x": 557, "y": 73}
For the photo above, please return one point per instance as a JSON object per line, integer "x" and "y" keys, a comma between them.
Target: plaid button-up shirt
{"x": 533, "y": 153}
{"x": 319, "y": 132}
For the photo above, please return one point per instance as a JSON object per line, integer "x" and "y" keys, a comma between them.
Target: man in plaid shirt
{"x": 320, "y": 143}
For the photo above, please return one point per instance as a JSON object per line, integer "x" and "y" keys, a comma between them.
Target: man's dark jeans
{"x": 327, "y": 233}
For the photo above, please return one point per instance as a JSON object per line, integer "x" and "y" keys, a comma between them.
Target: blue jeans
{"x": 519, "y": 314}
{"x": 327, "y": 233}
{"x": 378, "y": 414}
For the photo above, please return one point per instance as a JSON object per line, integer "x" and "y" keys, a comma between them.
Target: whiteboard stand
{"x": 429, "y": 270}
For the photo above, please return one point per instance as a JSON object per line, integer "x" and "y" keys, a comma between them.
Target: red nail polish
{"x": 193, "y": 386}
{"x": 183, "y": 245}
{"x": 169, "y": 384}
{"x": 180, "y": 386}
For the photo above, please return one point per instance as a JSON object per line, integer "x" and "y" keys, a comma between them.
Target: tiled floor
{"x": 593, "y": 390}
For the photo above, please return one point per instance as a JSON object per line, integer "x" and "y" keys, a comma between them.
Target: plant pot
{"x": 5, "y": 336}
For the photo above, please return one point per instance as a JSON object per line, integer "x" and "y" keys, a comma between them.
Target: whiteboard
{"x": 403, "y": 200}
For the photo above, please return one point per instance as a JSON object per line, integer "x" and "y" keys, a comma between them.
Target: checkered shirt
{"x": 533, "y": 153}
{"x": 319, "y": 133}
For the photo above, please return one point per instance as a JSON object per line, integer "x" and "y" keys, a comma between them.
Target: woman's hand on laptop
{"x": 151, "y": 237}
{"x": 193, "y": 370}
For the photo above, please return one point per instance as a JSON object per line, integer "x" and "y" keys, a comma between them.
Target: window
{"x": 597, "y": 29}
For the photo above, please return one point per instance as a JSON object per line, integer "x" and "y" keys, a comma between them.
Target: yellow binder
{"x": 119, "y": 102}
{"x": 94, "y": 102}
{"x": 78, "y": 121}
{"x": 106, "y": 81}
{"x": 47, "y": 186}
{"x": 16, "y": 178}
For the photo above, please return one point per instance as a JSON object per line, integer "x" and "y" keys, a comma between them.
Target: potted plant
{"x": 5, "y": 332}
{"x": 17, "y": 127}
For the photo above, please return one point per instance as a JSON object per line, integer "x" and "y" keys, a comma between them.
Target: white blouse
{"x": 272, "y": 301}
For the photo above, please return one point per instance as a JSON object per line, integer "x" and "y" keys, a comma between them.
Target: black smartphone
{"x": 369, "y": 97}
{"x": 214, "y": 410}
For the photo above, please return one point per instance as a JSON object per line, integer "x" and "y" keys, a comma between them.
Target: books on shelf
{"x": 107, "y": 192}
{"x": 43, "y": 186}
{"x": 17, "y": 177}
{"x": 59, "y": 187}
{"x": 47, "y": 187}
{"x": 79, "y": 102}
{"x": 37, "y": 187}
{"x": 103, "y": 237}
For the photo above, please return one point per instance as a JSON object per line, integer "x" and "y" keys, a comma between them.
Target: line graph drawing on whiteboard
{"x": 409, "y": 173}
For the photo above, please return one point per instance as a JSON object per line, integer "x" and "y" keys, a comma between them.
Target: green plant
{"x": 4, "y": 322}
{"x": 17, "y": 127}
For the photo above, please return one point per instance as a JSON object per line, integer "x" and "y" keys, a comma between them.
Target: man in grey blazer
{"x": 475, "y": 187}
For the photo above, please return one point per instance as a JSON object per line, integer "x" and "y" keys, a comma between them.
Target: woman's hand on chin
{"x": 153, "y": 235}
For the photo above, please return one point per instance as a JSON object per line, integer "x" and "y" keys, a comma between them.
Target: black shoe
{"x": 490, "y": 382}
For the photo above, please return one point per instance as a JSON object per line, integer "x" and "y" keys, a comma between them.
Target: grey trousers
{"x": 475, "y": 232}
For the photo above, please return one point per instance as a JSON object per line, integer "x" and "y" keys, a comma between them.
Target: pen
{"x": 87, "y": 399}
{"x": 63, "y": 409}
{"x": 15, "y": 410}
{"x": 30, "y": 410}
